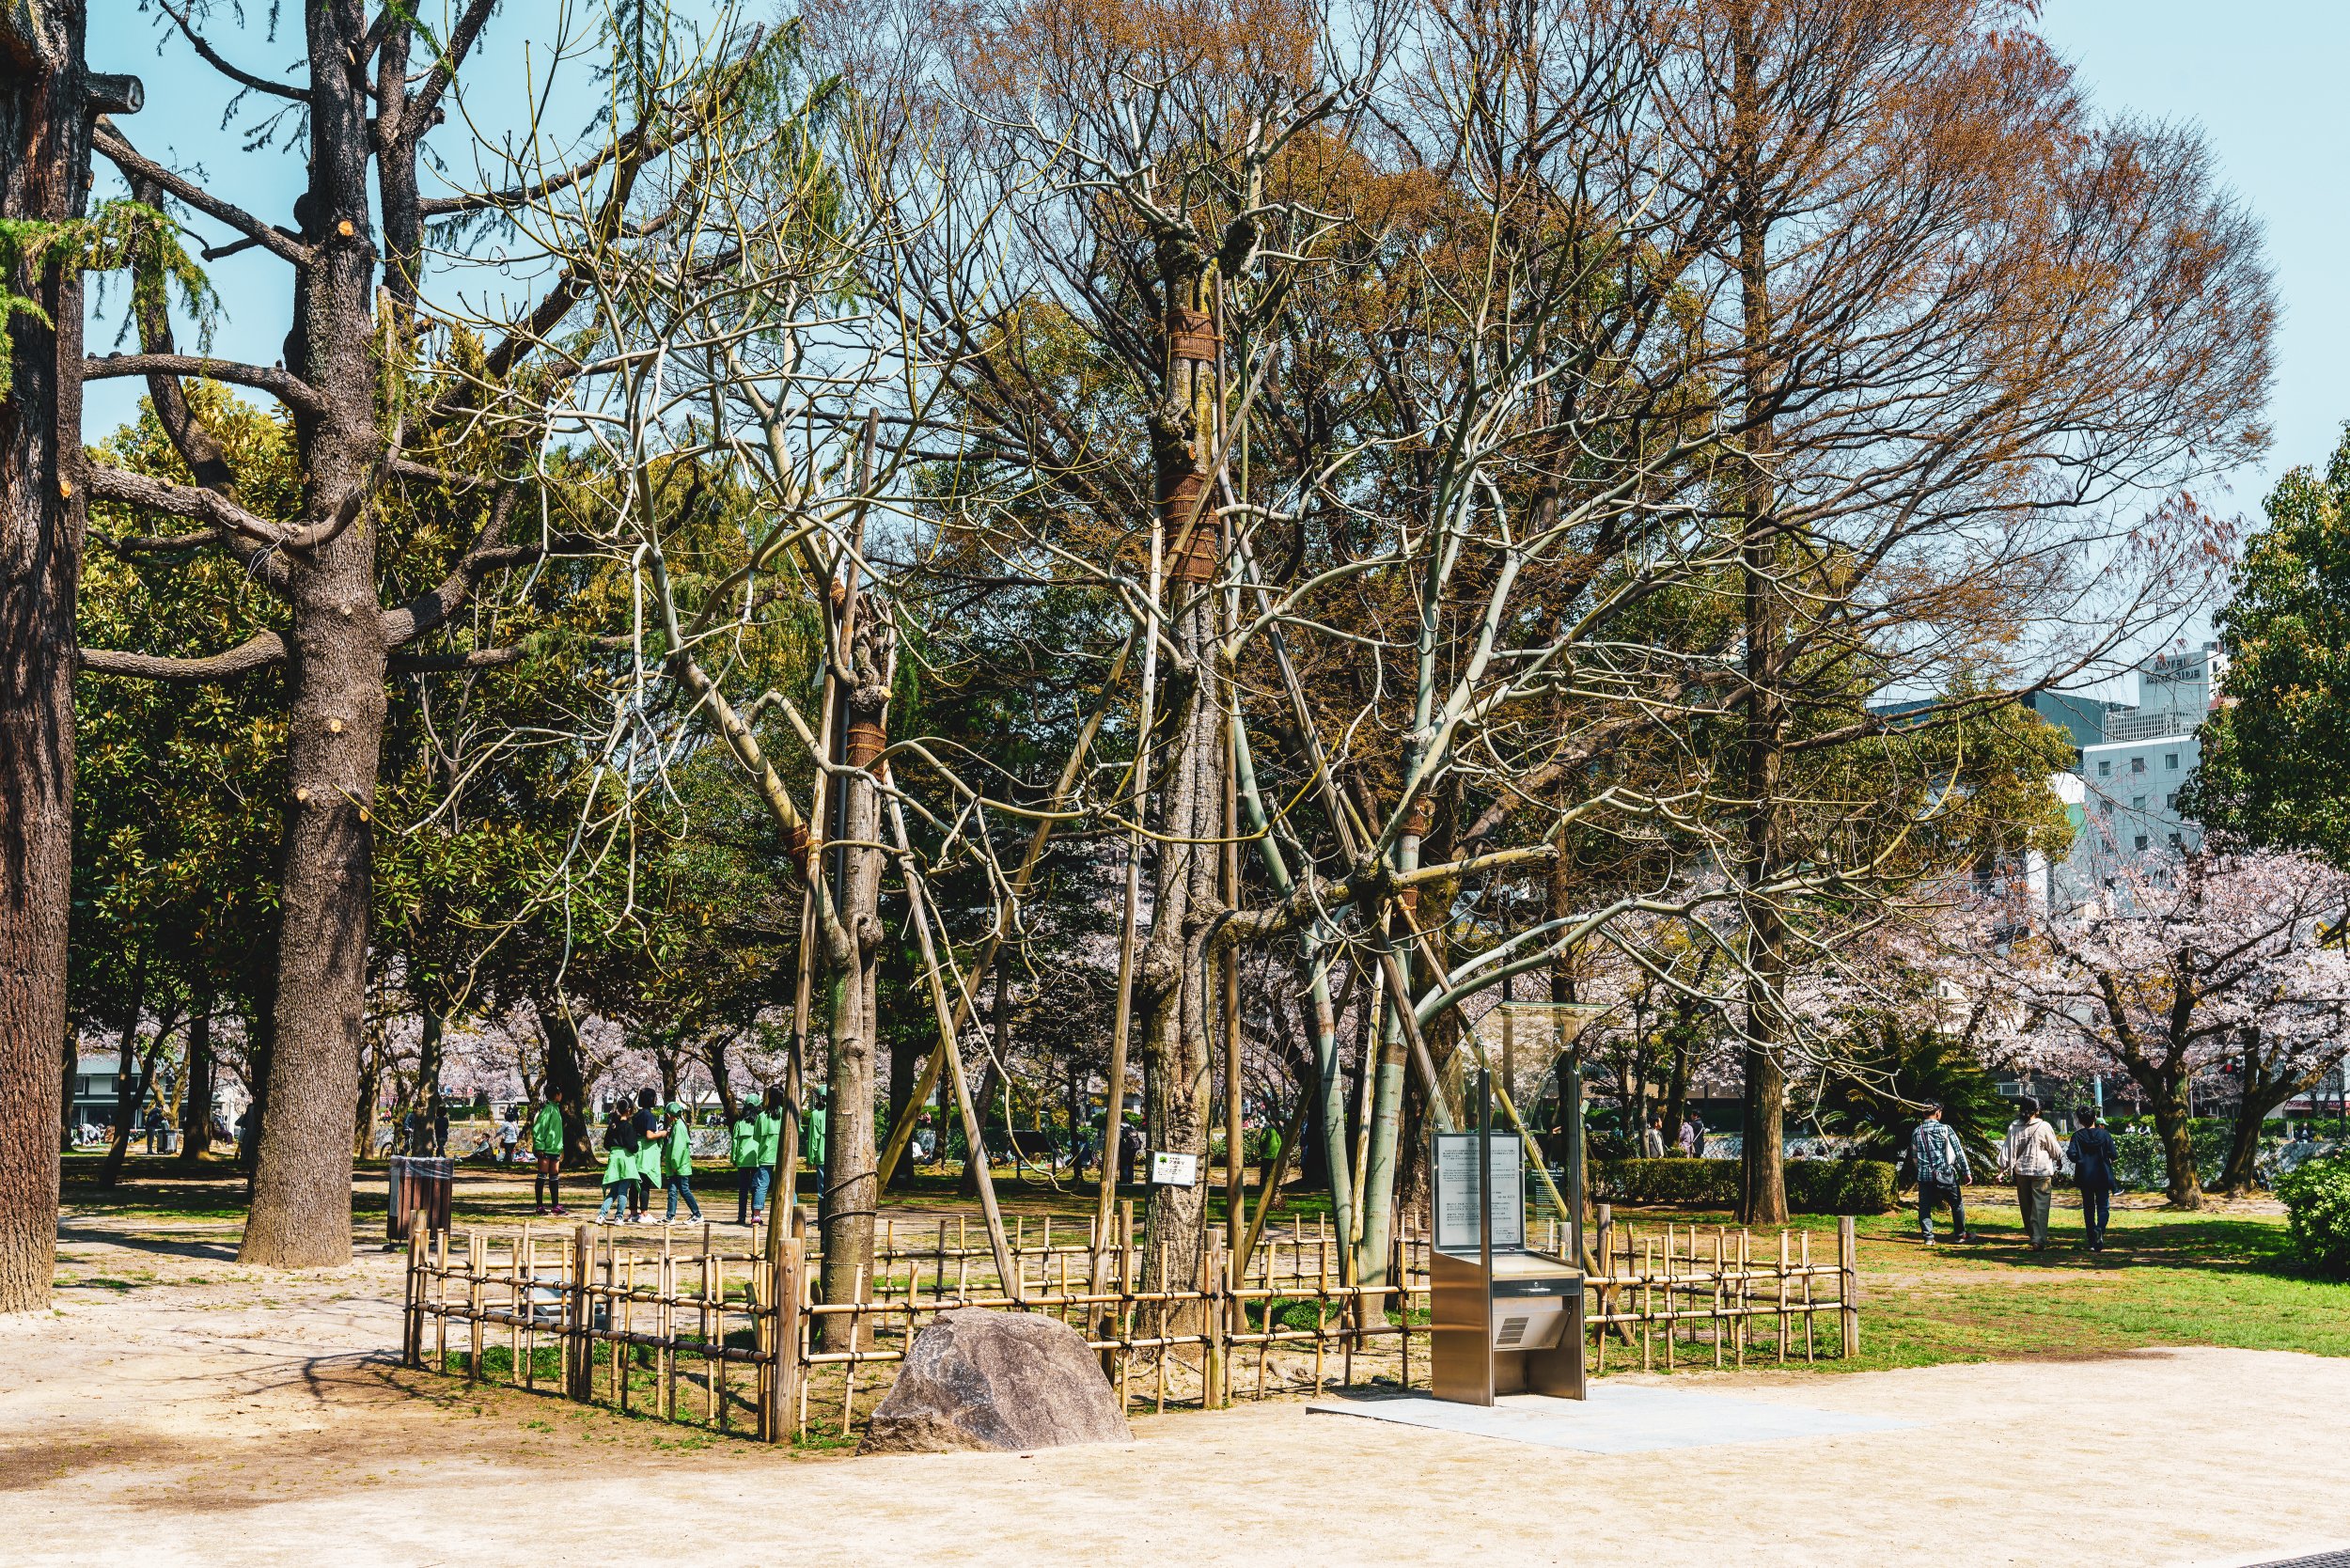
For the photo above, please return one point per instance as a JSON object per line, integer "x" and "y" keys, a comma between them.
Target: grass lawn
{"x": 2222, "y": 1278}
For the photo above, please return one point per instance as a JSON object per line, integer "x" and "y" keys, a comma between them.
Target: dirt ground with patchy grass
{"x": 182, "y": 1408}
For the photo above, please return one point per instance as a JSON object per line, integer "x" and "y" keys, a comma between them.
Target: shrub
{"x": 1841, "y": 1186}
{"x": 1813, "y": 1186}
{"x": 2317, "y": 1213}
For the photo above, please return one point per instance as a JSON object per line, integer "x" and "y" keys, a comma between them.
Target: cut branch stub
{"x": 1191, "y": 336}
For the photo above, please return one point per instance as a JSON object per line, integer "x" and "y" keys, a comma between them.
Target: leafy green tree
{"x": 2276, "y": 749}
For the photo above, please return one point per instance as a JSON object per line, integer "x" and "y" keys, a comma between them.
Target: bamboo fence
{"x": 726, "y": 1334}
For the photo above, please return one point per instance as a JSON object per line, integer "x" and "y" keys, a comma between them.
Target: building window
{"x": 2141, "y": 840}
{"x": 2171, "y": 801}
{"x": 2175, "y": 843}
{"x": 2106, "y": 806}
{"x": 2105, "y": 767}
{"x": 2138, "y": 803}
{"x": 2138, "y": 764}
{"x": 2170, "y": 761}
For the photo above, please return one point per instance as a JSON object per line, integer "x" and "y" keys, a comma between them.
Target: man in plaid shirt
{"x": 1940, "y": 1160}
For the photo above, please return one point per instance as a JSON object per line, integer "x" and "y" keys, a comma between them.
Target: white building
{"x": 2136, "y": 753}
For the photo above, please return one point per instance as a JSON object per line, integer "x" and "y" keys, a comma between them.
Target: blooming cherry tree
{"x": 2182, "y": 964}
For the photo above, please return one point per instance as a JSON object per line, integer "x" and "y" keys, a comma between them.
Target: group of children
{"x": 650, "y": 1148}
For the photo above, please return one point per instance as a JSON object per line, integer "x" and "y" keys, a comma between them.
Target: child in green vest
{"x": 743, "y": 1149}
{"x": 769, "y": 1123}
{"x": 677, "y": 1162}
{"x": 546, "y": 1148}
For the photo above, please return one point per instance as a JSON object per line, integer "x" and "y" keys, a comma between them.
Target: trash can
{"x": 421, "y": 1185}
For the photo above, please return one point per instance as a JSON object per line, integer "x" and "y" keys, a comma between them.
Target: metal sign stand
{"x": 1505, "y": 1318}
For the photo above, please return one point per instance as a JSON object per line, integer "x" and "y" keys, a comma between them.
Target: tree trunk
{"x": 334, "y": 673}
{"x": 2267, "y": 1085}
{"x": 129, "y": 1095}
{"x": 565, "y": 1078}
{"x": 430, "y": 1049}
{"x": 1763, "y": 1188}
{"x": 721, "y": 1080}
{"x": 851, "y": 1193}
{"x": 44, "y": 178}
{"x": 2165, "y": 1084}
{"x": 1677, "y": 1092}
{"x": 196, "y": 1107}
{"x": 126, "y": 1048}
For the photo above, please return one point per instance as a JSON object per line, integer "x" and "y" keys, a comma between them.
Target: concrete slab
{"x": 1618, "y": 1419}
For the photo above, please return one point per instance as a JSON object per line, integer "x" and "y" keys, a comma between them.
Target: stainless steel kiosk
{"x": 1507, "y": 1319}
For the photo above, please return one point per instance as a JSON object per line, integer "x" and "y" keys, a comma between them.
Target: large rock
{"x": 1002, "y": 1381}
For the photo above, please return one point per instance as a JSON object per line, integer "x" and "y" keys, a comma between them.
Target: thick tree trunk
{"x": 1179, "y": 1010}
{"x": 44, "y": 178}
{"x": 301, "y": 1215}
{"x": 2166, "y": 1096}
{"x": 2267, "y": 1085}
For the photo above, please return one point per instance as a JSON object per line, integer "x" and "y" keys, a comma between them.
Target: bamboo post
{"x": 1809, "y": 1311}
{"x": 783, "y": 1285}
{"x": 580, "y": 1365}
{"x": 1782, "y": 1296}
{"x": 412, "y": 1303}
{"x": 472, "y": 1305}
{"x": 520, "y": 1343}
{"x": 1848, "y": 1283}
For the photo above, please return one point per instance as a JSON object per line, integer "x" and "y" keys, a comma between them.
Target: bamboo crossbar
{"x": 626, "y": 1313}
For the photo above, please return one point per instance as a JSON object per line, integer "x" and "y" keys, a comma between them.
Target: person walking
{"x": 2091, "y": 1149}
{"x": 1652, "y": 1137}
{"x": 440, "y": 1127}
{"x": 546, "y": 1149}
{"x": 743, "y": 1149}
{"x": 2032, "y": 1159}
{"x": 1940, "y": 1161}
{"x": 677, "y": 1162}
{"x": 619, "y": 1165}
{"x": 1693, "y": 1135}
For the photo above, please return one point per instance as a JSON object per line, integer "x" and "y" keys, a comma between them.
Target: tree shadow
{"x": 223, "y": 1252}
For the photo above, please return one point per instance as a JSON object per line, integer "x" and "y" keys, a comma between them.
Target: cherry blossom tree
{"x": 2181, "y": 964}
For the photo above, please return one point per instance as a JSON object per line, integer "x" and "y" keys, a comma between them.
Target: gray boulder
{"x": 1005, "y": 1382}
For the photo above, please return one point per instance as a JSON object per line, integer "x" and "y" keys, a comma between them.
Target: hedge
{"x": 1813, "y": 1186}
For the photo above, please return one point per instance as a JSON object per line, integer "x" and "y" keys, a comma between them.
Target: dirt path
{"x": 191, "y": 1411}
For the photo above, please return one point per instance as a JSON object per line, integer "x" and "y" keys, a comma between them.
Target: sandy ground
{"x": 176, "y": 1409}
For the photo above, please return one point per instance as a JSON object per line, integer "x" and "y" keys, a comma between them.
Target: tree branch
{"x": 137, "y": 166}
{"x": 284, "y": 386}
{"x": 258, "y": 652}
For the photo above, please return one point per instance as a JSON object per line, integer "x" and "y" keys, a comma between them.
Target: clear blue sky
{"x": 2262, "y": 77}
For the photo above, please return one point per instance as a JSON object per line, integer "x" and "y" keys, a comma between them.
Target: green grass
{"x": 2217, "y": 1279}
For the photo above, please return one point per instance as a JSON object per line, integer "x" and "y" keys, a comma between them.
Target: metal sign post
{"x": 1505, "y": 1318}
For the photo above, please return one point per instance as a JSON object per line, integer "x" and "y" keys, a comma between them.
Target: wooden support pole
{"x": 1848, "y": 1282}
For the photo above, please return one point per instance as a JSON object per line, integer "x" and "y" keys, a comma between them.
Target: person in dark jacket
{"x": 2092, "y": 1154}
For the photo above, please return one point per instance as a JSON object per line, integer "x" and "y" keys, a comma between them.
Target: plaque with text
{"x": 1456, "y": 1190}
{"x": 1174, "y": 1170}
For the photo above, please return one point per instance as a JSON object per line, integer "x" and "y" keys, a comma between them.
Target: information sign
{"x": 1456, "y": 1192}
{"x": 1174, "y": 1170}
